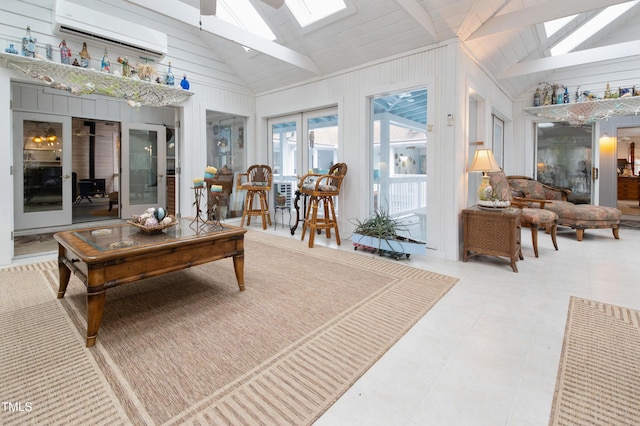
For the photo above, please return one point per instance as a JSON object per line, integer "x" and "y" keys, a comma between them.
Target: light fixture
{"x": 38, "y": 139}
{"x": 484, "y": 162}
{"x": 51, "y": 135}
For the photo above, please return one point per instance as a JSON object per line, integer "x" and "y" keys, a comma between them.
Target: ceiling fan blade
{"x": 274, "y": 3}
{"x": 207, "y": 7}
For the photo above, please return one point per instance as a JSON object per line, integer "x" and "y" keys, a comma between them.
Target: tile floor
{"x": 488, "y": 352}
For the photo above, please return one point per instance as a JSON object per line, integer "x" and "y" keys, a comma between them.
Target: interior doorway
{"x": 628, "y": 169}
{"x": 95, "y": 165}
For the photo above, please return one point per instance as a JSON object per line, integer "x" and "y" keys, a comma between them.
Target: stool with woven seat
{"x": 257, "y": 182}
{"x": 321, "y": 189}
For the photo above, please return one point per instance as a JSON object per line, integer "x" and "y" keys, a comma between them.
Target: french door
{"x": 41, "y": 170}
{"x": 301, "y": 143}
{"x": 144, "y": 166}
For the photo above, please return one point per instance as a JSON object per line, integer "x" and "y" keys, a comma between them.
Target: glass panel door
{"x": 287, "y": 160}
{"x": 302, "y": 143}
{"x": 144, "y": 174}
{"x": 564, "y": 158}
{"x": 42, "y": 170}
{"x": 399, "y": 158}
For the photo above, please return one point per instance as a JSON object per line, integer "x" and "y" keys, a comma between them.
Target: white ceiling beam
{"x": 582, "y": 57}
{"x": 538, "y": 14}
{"x": 420, "y": 15}
{"x": 191, "y": 15}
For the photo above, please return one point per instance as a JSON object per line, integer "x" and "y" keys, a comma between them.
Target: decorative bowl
{"x": 149, "y": 230}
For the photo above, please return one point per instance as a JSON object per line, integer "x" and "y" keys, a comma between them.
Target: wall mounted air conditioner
{"x": 74, "y": 19}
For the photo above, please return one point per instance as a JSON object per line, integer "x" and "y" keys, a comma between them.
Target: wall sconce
{"x": 483, "y": 161}
{"x": 607, "y": 143}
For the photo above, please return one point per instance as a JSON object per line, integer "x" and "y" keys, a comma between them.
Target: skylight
{"x": 552, "y": 27}
{"x": 307, "y": 12}
{"x": 591, "y": 27}
{"x": 241, "y": 13}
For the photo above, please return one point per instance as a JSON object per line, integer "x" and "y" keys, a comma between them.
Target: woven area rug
{"x": 189, "y": 348}
{"x": 599, "y": 376}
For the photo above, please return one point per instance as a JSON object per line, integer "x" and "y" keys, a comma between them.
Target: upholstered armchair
{"x": 534, "y": 214}
{"x": 321, "y": 189}
{"x": 575, "y": 216}
{"x": 257, "y": 182}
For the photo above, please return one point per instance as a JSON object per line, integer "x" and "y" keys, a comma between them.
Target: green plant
{"x": 379, "y": 224}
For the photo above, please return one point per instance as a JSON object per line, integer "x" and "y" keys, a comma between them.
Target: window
{"x": 307, "y": 12}
{"x": 591, "y": 27}
{"x": 242, "y": 14}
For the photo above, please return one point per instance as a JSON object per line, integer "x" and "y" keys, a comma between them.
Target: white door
{"x": 144, "y": 165}
{"x": 303, "y": 142}
{"x": 41, "y": 170}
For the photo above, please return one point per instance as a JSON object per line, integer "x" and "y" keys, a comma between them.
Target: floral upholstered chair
{"x": 575, "y": 216}
{"x": 533, "y": 218}
{"x": 321, "y": 189}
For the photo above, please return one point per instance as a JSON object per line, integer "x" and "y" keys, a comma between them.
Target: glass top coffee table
{"x": 106, "y": 257}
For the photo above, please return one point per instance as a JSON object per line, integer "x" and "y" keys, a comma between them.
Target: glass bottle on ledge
{"x": 28, "y": 44}
{"x": 170, "y": 80}
{"x": 536, "y": 98}
{"x": 106, "y": 64}
{"x": 85, "y": 58}
{"x": 65, "y": 52}
{"x": 566, "y": 98}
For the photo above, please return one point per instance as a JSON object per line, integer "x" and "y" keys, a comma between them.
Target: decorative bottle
{"x": 11, "y": 49}
{"x": 85, "y": 58}
{"x": 126, "y": 69}
{"x": 184, "y": 83}
{"x": 106, "y": 64}
{"x": 65, "y": 52}
{"x": 554, "y": 96}
{"x": 536, "y": 98}
{"x": 578, "y": 95}
{"x": 170, "y": 78}
{"x": 566, "y": 98}
{"x": 607, "y": 92}
{"x": 28, "y": 44}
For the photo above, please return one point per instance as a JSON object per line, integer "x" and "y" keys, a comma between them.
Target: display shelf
{"x": 83, "y": 81}
{"x": 588, "y": 112}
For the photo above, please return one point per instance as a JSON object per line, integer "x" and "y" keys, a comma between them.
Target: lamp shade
{"x": 483, "y": 161}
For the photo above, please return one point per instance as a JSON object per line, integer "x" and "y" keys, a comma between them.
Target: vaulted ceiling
{"x": 505, "y": 37}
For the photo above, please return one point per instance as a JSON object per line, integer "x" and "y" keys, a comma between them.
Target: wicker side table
{"x": 494, "y": 232}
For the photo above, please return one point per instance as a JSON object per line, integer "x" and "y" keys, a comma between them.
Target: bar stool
{"x": 257, "y": 182}
{"x": 321, "y": 189}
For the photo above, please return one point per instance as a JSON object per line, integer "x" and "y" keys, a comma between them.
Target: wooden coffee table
{"x": 106, "y": 257}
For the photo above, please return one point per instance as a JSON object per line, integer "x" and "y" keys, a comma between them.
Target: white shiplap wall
{"x": 350, "y": 90}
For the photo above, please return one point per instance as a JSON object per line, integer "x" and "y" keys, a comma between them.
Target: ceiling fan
{"x": 208, "y": 7}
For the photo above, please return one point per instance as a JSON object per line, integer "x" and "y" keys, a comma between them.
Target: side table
{"x": 492, "y": 232}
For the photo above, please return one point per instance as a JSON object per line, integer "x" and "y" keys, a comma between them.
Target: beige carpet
{"x": 189, "y": 348}
{"x": 599, "y": 376}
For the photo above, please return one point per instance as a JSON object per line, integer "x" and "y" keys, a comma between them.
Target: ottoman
{"x": 586, "y": 216}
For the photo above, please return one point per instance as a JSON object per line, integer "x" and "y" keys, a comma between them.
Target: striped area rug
{"x": 189, "y": 348}
{"x": 599, "y": 376}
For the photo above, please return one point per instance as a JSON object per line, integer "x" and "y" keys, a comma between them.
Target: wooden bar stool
{"x": 321, "y": 189}
{"x": 257, "y": 183}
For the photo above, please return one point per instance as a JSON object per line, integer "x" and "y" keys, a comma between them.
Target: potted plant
{"x": 379, "y": 233}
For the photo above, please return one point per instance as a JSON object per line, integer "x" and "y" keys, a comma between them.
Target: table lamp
{"x": 484, "y": 162}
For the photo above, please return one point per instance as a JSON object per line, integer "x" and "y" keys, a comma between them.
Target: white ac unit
{"x": 74, "y": 19}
